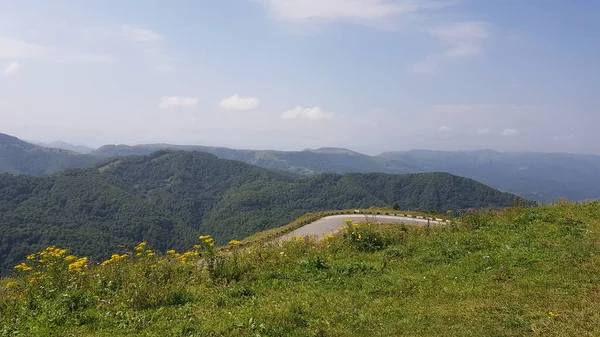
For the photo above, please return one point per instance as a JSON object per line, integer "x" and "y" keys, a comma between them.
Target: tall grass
{"x": 520, "y": 271}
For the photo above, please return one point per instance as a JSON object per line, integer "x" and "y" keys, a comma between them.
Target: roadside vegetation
{"x": 515, "y": 272}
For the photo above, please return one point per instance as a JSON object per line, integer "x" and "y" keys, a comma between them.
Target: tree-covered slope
{"x": 539, "y": 176}
{"x": 542, "y": 177}
{"x": 168, "y": 198}
{"x": 19, "y": 157}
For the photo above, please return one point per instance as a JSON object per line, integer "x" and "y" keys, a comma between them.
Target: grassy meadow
{"x": 516, "y": 272}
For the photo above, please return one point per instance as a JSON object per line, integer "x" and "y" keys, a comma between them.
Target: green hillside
{"x": 19, "y": 157}
{"x": 543, "y": 177}
{"x": 515, "y": 272}
{"x": 168, "y": 198}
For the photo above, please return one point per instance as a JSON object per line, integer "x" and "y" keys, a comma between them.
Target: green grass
{"x": 272, "y": 233}
{"x": 517, "y": 272}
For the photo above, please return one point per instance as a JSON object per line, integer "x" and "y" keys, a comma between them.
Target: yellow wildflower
{"x": 204, "y": 237}
{"x": 328, "y": 237}
{"x": 78, "y": 265}
{"x": 171, "y": 252}
{"x": 139, "y": 254}
{"x": 12, "y": 284}
{"x": 141, "y": 246}
{"x": 32, "y": 280}
{"x": 151, "y": 254}
{"x": 197, "y": 246}
{"x": 31, "y": 257}
{"x": 70, "y": 258}
{"x": 235, "y": 242}
{"x": 22, "y": 266}
{"x": 114, "y": 258}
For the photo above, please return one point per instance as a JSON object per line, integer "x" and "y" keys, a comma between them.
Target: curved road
{"x": 331, "y": 224}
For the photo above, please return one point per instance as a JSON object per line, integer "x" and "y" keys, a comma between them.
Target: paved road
{"x": 331, "y": 224}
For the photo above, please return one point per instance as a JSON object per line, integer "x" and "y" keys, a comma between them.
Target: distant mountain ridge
{"x": 20, "y": 157}
{"x": 538, "y": 176}
{"x": 65, "y": 146}
{"x": 169, "y": 198}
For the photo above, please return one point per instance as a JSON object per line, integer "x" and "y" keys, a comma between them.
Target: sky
{"x": 368, "y": 75}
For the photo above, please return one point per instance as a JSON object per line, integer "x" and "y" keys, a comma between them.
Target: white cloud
{"x": 14, "y": 48}
{"x": 138, "y": 39}
{"x": 425, "y": 66}
{"x": 130, "y": 32}
{"x": 467, "y": 30}
{"x": 464, "y": 50}
{"x": 356, "y": 11}
{"x": 140, "y": 34}
{"x": 444, "y": 129}
{"x": 12, "y": 68}
{"x": 171, "y": 102}
{"x": 460, "y": 40}
{"x": 509, "y": 132}
{"x": 315, "y": 113}
{"x": 236, "y": 102}
{"x": 484, "y": 131}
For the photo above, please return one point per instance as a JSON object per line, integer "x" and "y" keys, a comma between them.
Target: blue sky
{"x": 370, "y": 75}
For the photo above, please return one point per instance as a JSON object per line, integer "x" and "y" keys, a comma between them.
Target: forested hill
{"x": 168, "y": 198}
{"x": 19, "y": 157}
{"x": 543, "y": 177}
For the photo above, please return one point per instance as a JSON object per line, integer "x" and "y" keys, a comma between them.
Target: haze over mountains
{"x": 65, "y": 146}
{"x": 538, "y": 176}
{"x": 19, "y": 157}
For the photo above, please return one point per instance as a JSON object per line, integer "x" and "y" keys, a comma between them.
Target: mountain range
{"x": 169, "y": 198}
{"x": 65, "y": 146}
{"x": 543, "y": 177}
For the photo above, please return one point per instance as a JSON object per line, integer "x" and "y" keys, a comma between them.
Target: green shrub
{"x": 365, "y": 237}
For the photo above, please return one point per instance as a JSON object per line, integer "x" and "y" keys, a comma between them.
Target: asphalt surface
{"x": 331, "y": 224}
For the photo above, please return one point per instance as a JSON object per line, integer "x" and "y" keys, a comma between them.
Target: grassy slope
{"x": 501, "y": 274}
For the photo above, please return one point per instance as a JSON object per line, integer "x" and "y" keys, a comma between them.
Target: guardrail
{"x": 294, "y": 226}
